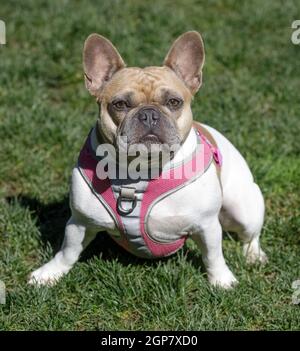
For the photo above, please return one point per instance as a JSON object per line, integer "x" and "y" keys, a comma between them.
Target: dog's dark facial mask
{"x": 148, "y": 106}
{"x": 147, "y": 117}
{"x": 148, "y": 125}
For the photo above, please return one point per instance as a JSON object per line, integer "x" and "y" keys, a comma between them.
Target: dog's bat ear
{"x": 186, "y": 59}
{"x": 100, "y": 61}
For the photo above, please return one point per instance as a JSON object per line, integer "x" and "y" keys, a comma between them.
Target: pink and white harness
{"x": 130, "y": 202}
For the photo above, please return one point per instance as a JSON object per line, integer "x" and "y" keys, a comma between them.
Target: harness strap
{"x": 217, "y": 156}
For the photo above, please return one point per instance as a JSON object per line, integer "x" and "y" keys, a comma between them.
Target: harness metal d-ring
{"x": 122, "y": 210}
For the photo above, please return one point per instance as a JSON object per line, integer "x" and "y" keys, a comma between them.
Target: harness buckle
{"x": 217, "y": 156}
{"x": 126, "y": 194}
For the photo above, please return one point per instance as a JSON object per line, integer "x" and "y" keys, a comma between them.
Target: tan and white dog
{"x": 152, "y": 105}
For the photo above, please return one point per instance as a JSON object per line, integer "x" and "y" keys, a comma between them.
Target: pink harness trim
{"x": 156, "y": 188}
{"x": 88, "y": 163}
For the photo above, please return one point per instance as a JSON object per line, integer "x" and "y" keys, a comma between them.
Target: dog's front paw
{"x": 48, "y": 274}
{"x": 222, "y": 278}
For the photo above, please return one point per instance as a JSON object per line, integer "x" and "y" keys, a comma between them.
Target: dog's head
{"x": 150, "y": 105}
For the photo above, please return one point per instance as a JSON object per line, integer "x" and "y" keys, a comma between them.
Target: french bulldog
{"x": 152, "y": 106}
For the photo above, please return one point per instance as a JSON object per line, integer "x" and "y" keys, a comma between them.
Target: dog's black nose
{"x": 149, "y": 116}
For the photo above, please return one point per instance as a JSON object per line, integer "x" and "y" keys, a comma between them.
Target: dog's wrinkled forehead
{"x": 145, "y": 85}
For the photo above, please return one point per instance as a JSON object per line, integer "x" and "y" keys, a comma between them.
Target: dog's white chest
{"x": 184, "y": 212}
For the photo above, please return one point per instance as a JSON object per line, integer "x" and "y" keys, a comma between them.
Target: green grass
{"x": 250, "y": 93}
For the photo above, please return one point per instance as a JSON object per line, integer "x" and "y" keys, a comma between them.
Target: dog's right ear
{"x": 100, "y": 61}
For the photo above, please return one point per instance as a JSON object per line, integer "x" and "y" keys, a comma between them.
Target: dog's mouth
{"x": 150, "y": 138}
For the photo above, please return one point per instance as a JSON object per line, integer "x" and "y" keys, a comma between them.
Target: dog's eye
{"x": 174, "y": 103}
{"x": 120, "y": 105}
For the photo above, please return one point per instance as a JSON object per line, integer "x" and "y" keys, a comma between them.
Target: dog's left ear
{"x": 186, "y": 59}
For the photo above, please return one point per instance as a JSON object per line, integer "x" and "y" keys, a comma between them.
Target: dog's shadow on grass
{"x": 52, "y": 219}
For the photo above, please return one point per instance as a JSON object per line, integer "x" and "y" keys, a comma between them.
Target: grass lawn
{"x": 250, "y": 93}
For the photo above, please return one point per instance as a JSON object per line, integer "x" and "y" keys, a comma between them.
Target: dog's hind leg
{"x": 243, "y": 213}
{"x": 77, "y": 237}
{"x": 250, "y": 229}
